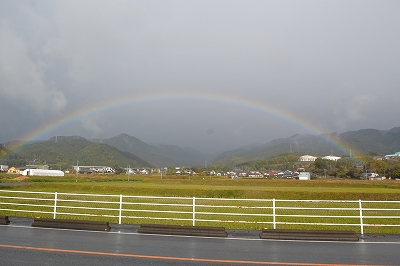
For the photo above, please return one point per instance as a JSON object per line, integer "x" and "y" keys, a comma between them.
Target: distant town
{"x": 301, "y": 173}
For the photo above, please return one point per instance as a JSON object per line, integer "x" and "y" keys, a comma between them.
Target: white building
{"x": 42, "y": 172}
{"x": 332, "y": 158}
{"x": 3, "y": 168}
{"x": 304, "y": 176}
{"x": 307, "y": 158}
{"x": 397, "y": 154}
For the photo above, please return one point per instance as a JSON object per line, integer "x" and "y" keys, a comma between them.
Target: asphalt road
{"x": 21, "y": 244}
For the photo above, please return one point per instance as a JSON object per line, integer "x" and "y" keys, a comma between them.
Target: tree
{"x": 344, "y": 163}
{"x": 118, "y": 169}
{"x": 320, "y": 163}
{"x": 354, "y": 172}
{"x": 377, "y": 166}
{"x": 396, "y": 173}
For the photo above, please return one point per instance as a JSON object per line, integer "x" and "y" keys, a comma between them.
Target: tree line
{"x": 345, "y": 167}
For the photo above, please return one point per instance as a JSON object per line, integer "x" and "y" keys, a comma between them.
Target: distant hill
{"x": 373, "y": 140}
{"x": 158, "y": 155}
{"x": 126, "y": 150}
{"x": 3, "y": 152}
{"x": 70, "y": 150}
{"x": 306, "y": 143}
{"x": 364, "y": 141}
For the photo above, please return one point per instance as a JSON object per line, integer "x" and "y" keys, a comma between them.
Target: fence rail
{"x": 361, "y": 216}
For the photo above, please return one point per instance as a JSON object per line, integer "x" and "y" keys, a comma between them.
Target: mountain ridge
{"x": 159, "y": 156}
{"x": 124, "y": 149}
{"x": 363, "y": 141}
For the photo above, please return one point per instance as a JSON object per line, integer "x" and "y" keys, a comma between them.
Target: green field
{"x": 204, "y": 189}
{"x": 214, "y": 187}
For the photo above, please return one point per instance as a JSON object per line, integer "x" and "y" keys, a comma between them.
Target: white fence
{"x": 358, "y": 215}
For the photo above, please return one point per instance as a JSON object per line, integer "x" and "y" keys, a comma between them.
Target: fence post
{"x": 55, "y": 205}
{"x": 193, "y": 211}
{"x": 120, "y": 209}
{"x": 361, "y": 216}
{"x": 273, "y": 213}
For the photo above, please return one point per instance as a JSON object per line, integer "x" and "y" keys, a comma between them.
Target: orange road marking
{"x": 177, "y": 258}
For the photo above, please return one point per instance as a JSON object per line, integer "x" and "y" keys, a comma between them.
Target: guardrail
{"x": 369, "y": 216}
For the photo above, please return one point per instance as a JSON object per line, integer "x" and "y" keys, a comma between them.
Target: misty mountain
{"x": 189, "y": 155}
{"x": 309, "y": 144}
{"x": 362, "y": 141}
{"x": 159, "y": 155}
{"x": 126, "y": 150}
{"x": 373, "y": 140}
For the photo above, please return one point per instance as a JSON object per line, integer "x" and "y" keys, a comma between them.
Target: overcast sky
{"x": 332, "y": 66}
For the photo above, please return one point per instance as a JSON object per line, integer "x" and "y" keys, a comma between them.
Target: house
{"x": 254, "y": 174}
{"x": 144, "y": 171}
{"x": 85, "y": 171}
{"x": 271, "y": 174}
{"x": 130, "y": 171}
{"x": 3, "y": 168}
{"x": 178, "y": 171}
{"x": 14, "y": 170}
{"x": 232, "y": 174}
{"x": 188, "y": 171}
{"x": 390, "y": 156}
{"x": 304, "y": 176}
{"x": 288, "y": 174}
{"x": 374, "y": 176}
{"x": 242, "y": 174}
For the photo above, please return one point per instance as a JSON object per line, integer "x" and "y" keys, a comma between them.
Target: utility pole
{"x": 77, "y": 170}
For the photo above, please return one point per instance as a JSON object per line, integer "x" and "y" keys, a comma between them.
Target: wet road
{"x": 21, "y": 244}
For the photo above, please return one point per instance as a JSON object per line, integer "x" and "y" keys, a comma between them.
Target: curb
{"x": 182, "y": 230}
{"x": 71, "y": 224}
{"x": 328, "y": 235}
{"x": 4, "y": 220}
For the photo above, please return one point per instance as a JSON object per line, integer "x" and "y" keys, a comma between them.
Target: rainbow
{"x": 56, "y": 124}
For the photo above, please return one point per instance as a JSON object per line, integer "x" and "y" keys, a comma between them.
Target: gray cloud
{"x": 334, "y": 64}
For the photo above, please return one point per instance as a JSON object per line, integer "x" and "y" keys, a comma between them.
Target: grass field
{"x": 215, "y": 187}
{"x": 221, "y": 187}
